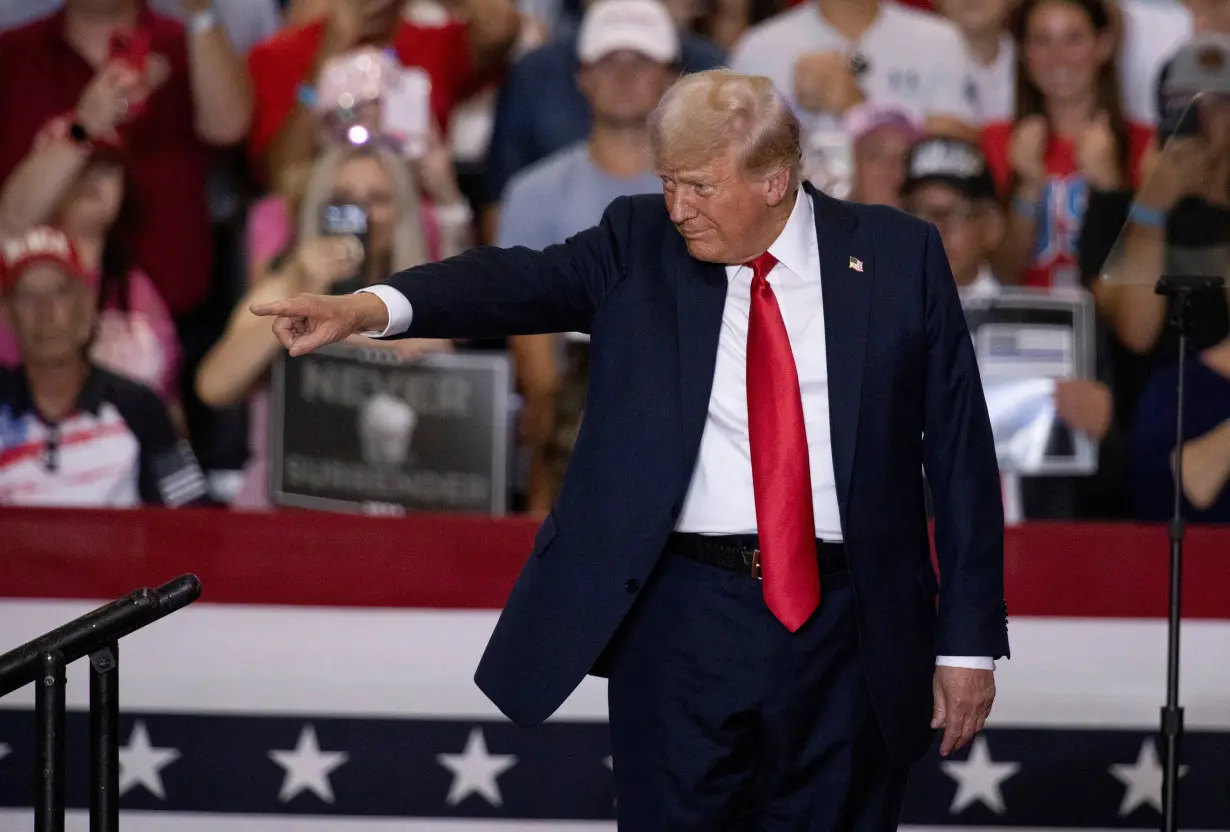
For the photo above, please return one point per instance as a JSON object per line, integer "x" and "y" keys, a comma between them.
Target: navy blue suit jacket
{"x": 904, "y": 393}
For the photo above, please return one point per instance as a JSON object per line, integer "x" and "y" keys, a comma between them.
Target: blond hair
{"x": 706, "y": 113}
{"x": 409, "y": 247}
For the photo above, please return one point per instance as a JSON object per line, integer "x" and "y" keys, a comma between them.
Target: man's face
{"x": 623, "y": 87}
{"x": 968, "y": 229}
{"x": 719, "y": 209}
{"x": 51, "y": 313}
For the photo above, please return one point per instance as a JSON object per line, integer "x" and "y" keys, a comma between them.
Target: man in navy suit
{"x": 740, "y": 545}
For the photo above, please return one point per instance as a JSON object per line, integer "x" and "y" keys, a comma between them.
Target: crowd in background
{"x": 166, "y": 163}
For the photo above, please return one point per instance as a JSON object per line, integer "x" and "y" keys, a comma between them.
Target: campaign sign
{"x": 364, "y": 430}
{"x": 1026, "y": 341}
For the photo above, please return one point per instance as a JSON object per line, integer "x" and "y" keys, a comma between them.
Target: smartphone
{"x": 405, "y": 112}
{"x": 341, "y": 220}
{"x": 132, "y": 47}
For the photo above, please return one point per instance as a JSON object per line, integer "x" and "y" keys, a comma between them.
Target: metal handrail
{"x": 44, "y": 661}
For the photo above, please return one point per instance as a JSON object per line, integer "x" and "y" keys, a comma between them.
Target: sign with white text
{"x": 357, "y": 429}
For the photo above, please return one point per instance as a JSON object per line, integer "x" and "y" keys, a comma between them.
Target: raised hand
{"x": 825, "y": 82}
{"x": 1097, "y": 154}
{"x": 324, "y": 261}
{"x": 1027, "y": 150}
{"x": 1084, "y": 405}
{"x": 304, "y": 323}
{"x": 1178, "y": 170}
{"x": 106, "y": 101}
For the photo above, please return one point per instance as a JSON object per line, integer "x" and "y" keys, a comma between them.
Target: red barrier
{"x": 317, "y": 558}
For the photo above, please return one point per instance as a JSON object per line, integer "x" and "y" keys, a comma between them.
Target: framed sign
{"x": 364, "y": 430}
{"x": 1026, "y": 341}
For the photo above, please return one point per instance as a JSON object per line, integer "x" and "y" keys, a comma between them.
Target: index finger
{"x": 273, "y": 307}
{"x": 953, "y": 733}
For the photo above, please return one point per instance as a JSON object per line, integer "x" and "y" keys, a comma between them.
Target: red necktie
{"x": 781, "y": 474}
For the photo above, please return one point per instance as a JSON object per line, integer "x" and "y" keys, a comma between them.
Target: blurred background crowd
{"x": 166, "y": 163}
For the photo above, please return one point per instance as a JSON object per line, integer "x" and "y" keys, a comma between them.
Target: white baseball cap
{"x": 642, "y": 26}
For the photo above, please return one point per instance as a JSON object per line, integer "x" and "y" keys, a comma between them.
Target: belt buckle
{"x": 756, "y": 564}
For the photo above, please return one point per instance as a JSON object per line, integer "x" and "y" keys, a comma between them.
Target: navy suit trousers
{"x": 721, "y": 719}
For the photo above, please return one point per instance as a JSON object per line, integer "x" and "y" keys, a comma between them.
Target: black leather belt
{"x": 741, "y": 552}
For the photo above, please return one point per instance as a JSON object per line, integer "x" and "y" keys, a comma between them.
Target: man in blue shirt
{"x": 628, "y": 51}
{"x": 541, "y": 109}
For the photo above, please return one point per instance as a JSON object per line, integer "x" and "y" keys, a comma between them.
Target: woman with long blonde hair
{"x": 318, "y": 263}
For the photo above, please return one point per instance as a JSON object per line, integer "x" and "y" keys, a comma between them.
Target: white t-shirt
{"x": 994, "y": 85}
{"x": 915, "y": 60}
{"x": 1153, "y": 30}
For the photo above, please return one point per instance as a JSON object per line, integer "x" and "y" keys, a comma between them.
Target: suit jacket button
{"x": 632, "y": 585}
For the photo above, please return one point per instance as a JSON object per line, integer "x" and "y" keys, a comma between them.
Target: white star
{"x": 609, "y": 762}
{"x": 979, "y": 779}
{"x": 141, "y": 764}
{"x": 1143, "y": 779}
{"x": 474, "y": 771}
{"x": 307, "y": 767}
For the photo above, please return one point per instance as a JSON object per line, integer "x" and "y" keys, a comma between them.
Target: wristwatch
{"x": 78, "y": 134}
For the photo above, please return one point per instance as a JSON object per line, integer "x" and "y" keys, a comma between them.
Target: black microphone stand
{"x": 1180, "y": 291}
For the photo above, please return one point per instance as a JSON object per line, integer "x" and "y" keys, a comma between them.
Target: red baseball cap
{"x": 41, "y": 244}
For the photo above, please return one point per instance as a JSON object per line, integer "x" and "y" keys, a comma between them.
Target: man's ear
{"x": 777, "y": 187}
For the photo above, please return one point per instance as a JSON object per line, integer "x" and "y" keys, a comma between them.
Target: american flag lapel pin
{"x": 856, "y": 264}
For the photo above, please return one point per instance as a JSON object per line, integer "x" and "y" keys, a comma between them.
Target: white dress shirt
{"x": 720, "y": 499}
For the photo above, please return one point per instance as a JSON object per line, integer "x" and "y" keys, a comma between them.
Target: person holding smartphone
{"x": 359, "y": 218}
{"x": 1178, "y": 222}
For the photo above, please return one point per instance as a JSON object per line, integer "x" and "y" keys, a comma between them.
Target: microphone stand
{"x": 1180, "y": 291}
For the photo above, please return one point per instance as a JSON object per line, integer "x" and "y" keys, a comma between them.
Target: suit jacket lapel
{"x": 700, "y": 297}
{"x": 847, "y": 311}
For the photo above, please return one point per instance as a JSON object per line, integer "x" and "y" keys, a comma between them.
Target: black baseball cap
{"x": 953, "y": 162}
{"x": 1201, "y": 67}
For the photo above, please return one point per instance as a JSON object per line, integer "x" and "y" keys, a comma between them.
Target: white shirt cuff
{"x": 972, "y": 662}
{"x": 400, "y": 313}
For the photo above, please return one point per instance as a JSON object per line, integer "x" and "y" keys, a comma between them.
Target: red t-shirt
{"x": 1055, "y": 261}
{"x": 42, "y": 76}
{"x": 281, "y": 63}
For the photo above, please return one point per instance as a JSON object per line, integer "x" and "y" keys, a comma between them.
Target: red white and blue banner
{"x": 323, "y": 681}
